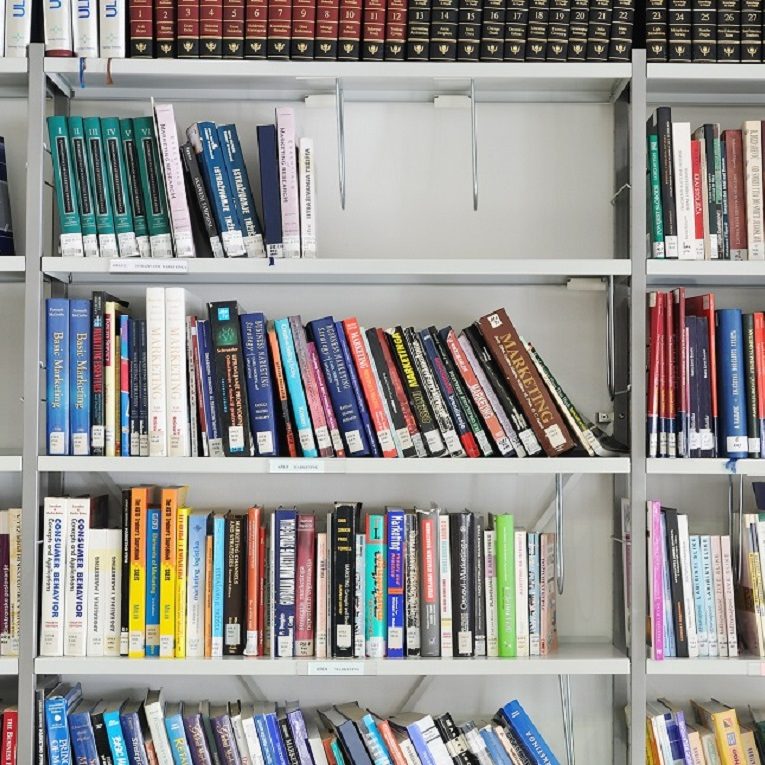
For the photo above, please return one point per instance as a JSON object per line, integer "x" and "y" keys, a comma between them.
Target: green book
{"x": 66, "y": 193}
{"x": 506, "y": 632}
{"x": 107, "y": 239}
{"x": 122, "y": 209}
{"x": 135, "y": 190}
{"x": 654, "y": 186}
{"x": 374, "y": 554}
{"x": 153, "y": 188}
{"x": 81, "y": 178}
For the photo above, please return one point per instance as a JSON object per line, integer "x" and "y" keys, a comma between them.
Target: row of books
{"x": 692, "y": 611}
{"x": 705, "y": 190}
{"x": 705, "y": 31}
{"x": 153, "y": 730}
{"x": 120, "y": 192}
{"x": 714, "y": 733}
{"x": 706, "y": 378}
{"x": 345, "y": 30}
{"x": 178, "y": 385}
{"x": 168, "y": 581}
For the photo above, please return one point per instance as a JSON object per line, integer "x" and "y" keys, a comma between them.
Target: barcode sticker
{"x": 295, "y": 465}
{"x": 148, "y": 266}
{"x": 56, "y": 443}
{"x": 236, "y": 438}
{"x": 144, "y": 248}
{"x": 395, "y": 638}
{"x": 385, "y": 439}
{"x": 184, "y": 244}
{"x": 435, "y": 444}
{"x": 265, "y": 442}
{"x": 233, "y": 634}
{"x": 80, "y": 446}
{"x": 216, "y": 247}
{"x": 233, "y": 244}
{"x": 97, "y": 436}
{"x": 337, "y": 442}
{"x": 107, "y": 243}
{"x": 452, "y": 442}
{"x": 735, "y": 443}
{"x": 555, "y": 436}
{"x": 71, "y": 245}
{"x": 90, "y": 245}
{"x": 306, "y": 439}
{"x": 353, "y": 439}
{"x": 529, "y": 441}
{"x": 404, "y": 438}
{"x": 336, "y": 668}
{"x": 157, "y": 442}
{"x": 322, "y": 438}
{"x": 465, "y": 642}
{"x": 161, "y": 246}
{"x": 216, "y": 447}
{"x": 344, "y": 635}
{"x": 128, "y": 244}
{"x": 284, "y": 645}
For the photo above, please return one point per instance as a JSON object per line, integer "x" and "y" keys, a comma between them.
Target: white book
{"x": 14, "y": 541}
{"x": 681, "y": 163}
{"x": 321, "y": 595}
{"x": 359, "y": 635}
{"x": 53, "y": 573}
{"x": 113, "y": 600}
{"x": 156, "y": 370}
{"x": 307, "y": 172}
{"x": 708, "y": 583}
{"x": 288, "y": 186}
{"x": 445, "y": 585}
{"x": 730, "y": 606}
{"x": 685, "y": 570}
{"x": 433, "y": 740}
{"x": 490, "y": 589}
{"x": 178, "y": 437}
{"x": 154, "y": 707}
{"x": 5, "y": 636}
{"x": 697, "y": 579}
{"x": 753, "y": 186}
{"x": 271, "y": 605}
{"x": 521, "y": 593}
{"x": 719, "y": 597}
{"x": 97, "y": 585}
{"x": 85, "y": 28}
{"x": 235, "y": 712}
{"x": 77, "y": 573}
{"x": 18, "y": 28}
{"x": 251, "y": 735}
{"x": 112, "y": 21}
{"x": 409, "y": 752}
{"x": 57, "y": 18}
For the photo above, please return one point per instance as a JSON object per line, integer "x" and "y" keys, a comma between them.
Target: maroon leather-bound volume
{"x": 349, "y": 44}
{"x": 327, "y": 22}
{"x": 141, "y": 29}
{"x": 303, "y": 29}
{"x": 395, "y": 30}
{"x": 255, "y": 28}
{"x": 279, "y": 28}
{"x": 373, "y": 30}
{"x": 187, "y": 12}
{"x": 164, "y": 28}
{"x": 210, "y": 28}
{"x": 233, "y": 28}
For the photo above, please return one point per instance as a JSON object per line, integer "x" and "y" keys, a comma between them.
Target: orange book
{"x": 208, "y": 588}
{"x": 253, "y": 585}
{"x": 139, "y": 503}
{"x": 171, "y": 498}
{"x": 390, "y": 741}
{"x": 262, "y": 591}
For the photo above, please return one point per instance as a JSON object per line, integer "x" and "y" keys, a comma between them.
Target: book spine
{"x": 218, "y": 585}
{"x": 79, "y": 376}
{"x": 255, "y": 29}
{"x": 751, "y": 31}
{"x": 305, "y": 579}
{"x": 76, "y": 595}
{"x": 138, "y": 578}
{"x": 211, "y": 28}
{"x": 680, "y": 30}
{"x": 203, "y": 202}
{"x": 303, "y": 38}
{"x": 195, "y": 578}
{"x": 374, "y": 600}
{"x": 681, "y": 162}
{"x": 534, "y": 622}
{"x": 752, "y": 148}
{"x": 557, "y": 30}
{"x": 281, "y": 394}
{"x": 412, "y": 584}
{"x": 462, "y": 549}
{"x": 134, "y": 189}
{"x": 505, "y": 569}
{"x": 54, "y": 537}
{"x": 443, "y": 30}
{"x": 547, "y": 627}
{"x": 349, "y": 30}
{"x": 122, "y": 402}
{"x": 233, "y": 28}
{"x": 417, "y": 30}
{"x": 156, "y": 371}
{"x": 122, "y": 210}
{"x": 167, "y": 586}
{"x": 445, "y": 586}
{"x": 599, "y": 29}
{"x": 288, "y": 190}
{"x": 207, "y": 353}
{"x": 82, "y": 184}
{"x": 327, "y": 28}
{"x": 685, "y": 569}
{"x": 359, "y": 597}
{"x": 697, "y": 588}
{"x": 704, "y": 33}
{"x": 342, "y": 544}
{"x": 279, "y": 30}
{"x": 729, "y": 31}
{"x": 187, "y": 32}
{"x": 663, "y": 122}
{"x": 395, "y": 30}
{"x": 728, "y": 597}
{"x": 729, "y": 336}
{"x": 537, "y": 30}
{"x": 178, "y": 436}
{"x": 719, "y": 597}
{"x": 622, "y": 26}
{"x": 70, "y": 241}
{"x": 522, "y": 594}
{"x": 493, "y": 16}
{"x": 112, "y": 599}
{"x": 737, "y": 226}
{"x": 58, "y": 371}
{"x": 657, "y": 220}
{"x": 285, "y": 528}
{"x": 235, "y": 574}
{"x": 153, "y": 579}
{"x": 165, "y": 28}
{"x": 57, "y": 28}
{"x": 322, "y": 592}
{"x": 656, "y": 20}
{"x": 14, "y": 581}
{"x": 269, "y": 182}
{"x": 140, "y": 29}
{"x": 430, "y": 630}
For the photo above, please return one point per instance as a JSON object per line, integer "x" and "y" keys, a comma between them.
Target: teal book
{"x": 375, "y": 621}
{"x": 135, "y": 190}
{"x": 66, "y": 192}
{"x": 176, "y": 735}
{"x": 152, "y": 581}
{"x": 505, "y": 543}
{"x": 218, "y": 582}
{"x": 107, "y": 238}
{"x": 654, "y": 191}
{"x": 114, "y": 733}
{"x": 122, "y": 208}
{"x": 81, "y": 177}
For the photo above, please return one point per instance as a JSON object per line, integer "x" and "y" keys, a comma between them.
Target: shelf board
{"x": 13, "y": 78}
{"x": 9, "y": 665}
{"x": 704, "y": 467}
{"x": 702, "y": 273}
{"x": 723, "y": 84}
{"x": 333, "y": 271}
{"x": 740, "y": 667}
{"x": 361, "y": 466}
{"x": 10, "y": 463}
{"x": 12, "y": 267}
{"x": 571, "y": 659}
{"x": 201, "y": 80}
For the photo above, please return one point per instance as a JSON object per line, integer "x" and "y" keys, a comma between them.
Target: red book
{"x": 233, "y": 28}
{"x": 704, "y": 305}
{"x": 669, "y": 349}
{"x": 141, "y": 29}
{"x": 326, "y": 403}
{"x": 303, "y": 29}
{"x": 164, "y": 28}
{"x": 654, "y": 363}
{"x": 279, "y": 29}
{"x": 255, "y": 28}
{"x": 391, "y": 742}
{"x": 10, "y": 726}
{"x": 662, "y": 342}
{"x": 290, "y": 446}
{"x": 262, "y": 601}
{"x": 373, "y": 31}
{"x": 682, "y": 391}
{"x": 395, "y": 30}
{"x": 349, "y": 31}
{"x": 369, "y": 386}
{"x": 759, "y": 360}
{"x": 187, "y": 12}
{"x": 327, "y": 22}
{"x": 210, "y": 28}
{"x": 252, "y": 608}
{"x": 305, "y": 582}
{"x": 698, "y": 197}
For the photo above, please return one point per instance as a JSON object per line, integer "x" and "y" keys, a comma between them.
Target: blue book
{"x": 337, "y": 751}
{"x": 124, "y": 385}
{"x": 57, "y": 706}
{"x": 195, "y": 736}
{"x": 131, "y": 730}
{"x": 212, "y": 415}
{"x": 176, "y": 735}
{"x": 295, "y": 388}
{"x": 241, "y": 189}
{"x": 81, "y": 734}
{"x": 675, "y": 742}
{"x": 496, "y": 751}
{"x": 218, "y": 524}
{"x": 260, "y": 389}
{"x": 415, "y": 734}
{"x": 79, "y": 376}
{"x": 261, "y": 726}
{"x": 117, "y": 743}
{"x": 324, "y": 334}
{"x": 270, "y": 190}
{"x": 377, "y": 749}
{"x": 729, "y": 338}
{"x": 275, "y": 738}
{"x": 685, "y": 744}
{"x": 299, "y": 733}
{"x": 395, "y": 534}
{"x": 527, "y": 735}
{"x": 152, "y": 580}
{"x": 57, "y": 375}
{"x": 361, "y": 402}
{"x": 285, "y": 532}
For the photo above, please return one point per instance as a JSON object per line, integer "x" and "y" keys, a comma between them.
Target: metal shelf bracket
{"x": 564, "y": 682}
{"x": 474, "y": 143}
{"x": 340, "y": 114}
{"x": 559, "y": 563}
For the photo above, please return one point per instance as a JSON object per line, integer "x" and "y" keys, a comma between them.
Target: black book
{"x": 342, "y": 544}
{"x": 135, "y": 388}
{"x": 710, "y": 133}
{"x": 751, "y": 31}
{"x": 725, "y": 241}
{"x": 412, "y": 585}
{"x": 752, "y": 418}
{"x": 656, "y": 41}
{"x": 199, "y": 207}
{"x": 418, "y": 30}
{"x": 492, "y": 30}
{"x": 454, "y": 739}
{"x": 662, "y": 121}
{"x": 42, "y": 689}
{"x": 479, "y": 608}
{"x": 704, "y": 31}
{"x": 599, "y": 30}
{"x": 469, "y": 30}
{"x": 443, "y": 30}
{"x": 676, "y": 581}
{"x": 536, "y": 33}
{"x": 622, "y": 29}
{"x": 516, "y": 21}
{"x": 694, "y": 436}
{"x": 462, "y": 544}
{"x": 348, "y": 736}
{"x": 680, "y": 18}
{"x": 290, "y": 746}
{"x": 235, "y": 587}
{"x": 125, "y": 575}
{"x": 577, "y": 30}
{"x": 729, "y": 31}
{"x": 100, "y": 735}
{"x": 557, "y": 30}
{"x": 143, "y": 400}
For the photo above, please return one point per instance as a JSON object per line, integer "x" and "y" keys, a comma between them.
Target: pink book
{"x": 288, "y": 185}
{"x": 656, "y": 580}
{"x": 326, "y": 404}
{"x": 304, "y": 585}
{"x": 252, "y": 611}
{"x": 321, "y": 595}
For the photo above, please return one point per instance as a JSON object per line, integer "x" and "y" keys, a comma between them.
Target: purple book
{"x": 224, "y": 735}
{"x": 195, "y": 735}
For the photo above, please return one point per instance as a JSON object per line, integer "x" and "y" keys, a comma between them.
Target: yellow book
{"x": 651, "y": 750}
{"x": 181, "y": 562}
{"x": 722, "y": 721}
{"x": 139, "y": 502}
{"x": 172, "y": 497}
{"x": 749, "y": 745}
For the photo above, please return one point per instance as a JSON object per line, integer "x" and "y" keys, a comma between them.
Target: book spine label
{"x": 82, "y": 183}
{"x": 112, "y": 23}
{"x": 305, "y": 579}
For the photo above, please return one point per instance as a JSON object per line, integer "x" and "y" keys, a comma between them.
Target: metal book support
{"x": 474, "y": 143}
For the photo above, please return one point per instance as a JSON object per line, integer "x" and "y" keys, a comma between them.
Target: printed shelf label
{"x": 148, "y": 266}
{"x": 325, "y": 668}
{"x": 294, "y": 465}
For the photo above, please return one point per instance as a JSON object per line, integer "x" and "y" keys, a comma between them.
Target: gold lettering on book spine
{"x": 517, "y": 360}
